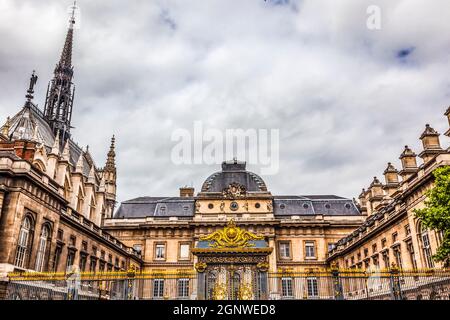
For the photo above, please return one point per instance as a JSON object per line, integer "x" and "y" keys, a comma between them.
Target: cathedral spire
{"x": 60, "y": 91}
{"x": 66, "y": 54}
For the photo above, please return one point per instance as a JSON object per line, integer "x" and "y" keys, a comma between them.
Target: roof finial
{"x": 111, "y": 160}
{"x": 6, "y": 126}
{"x": 72, "y": 16}
{"x": 30, "y": 90}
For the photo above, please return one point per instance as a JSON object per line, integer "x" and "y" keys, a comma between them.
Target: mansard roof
{"x": 328, "y": 205}
{"x": 156, "y": 207}
{"x": 165, "y": 207}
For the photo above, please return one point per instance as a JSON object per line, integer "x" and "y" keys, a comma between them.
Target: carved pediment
{"x": 234, "y": 191}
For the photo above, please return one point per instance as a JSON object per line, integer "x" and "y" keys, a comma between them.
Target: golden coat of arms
{"x": 231, "y": 237}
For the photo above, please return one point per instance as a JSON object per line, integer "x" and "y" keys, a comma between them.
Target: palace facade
{"x": 57, "y": 211}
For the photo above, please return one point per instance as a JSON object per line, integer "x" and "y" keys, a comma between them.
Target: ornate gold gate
{"x": 232, "y": 265}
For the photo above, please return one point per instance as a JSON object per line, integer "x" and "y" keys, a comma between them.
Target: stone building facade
{"x": 57, "y": 210}
{"x": 392, "y": 234}
{"x": 53, "y": 198}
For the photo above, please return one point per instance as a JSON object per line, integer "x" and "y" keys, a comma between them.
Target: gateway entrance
{"x": 232, "y": 265}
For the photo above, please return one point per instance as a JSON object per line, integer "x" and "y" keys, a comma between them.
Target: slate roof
{"x": 29, "y": 120}
{"x": 156, "y": 207}
{"x": 328, "y": 205}
{"x": 235, "y": 172}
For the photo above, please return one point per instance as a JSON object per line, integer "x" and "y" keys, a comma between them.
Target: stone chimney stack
{"x": 447, "y": 113}
{"x": 391, "y": 179}
{"x": 363, "y": 202}
{"x": 186, "y": 192}
{"x": 375, "y": 195}
{"x": 409, "y": 163}
{"x": 431, "y": 144}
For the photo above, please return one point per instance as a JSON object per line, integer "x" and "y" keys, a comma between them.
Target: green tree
{"x": 436, "y": 214}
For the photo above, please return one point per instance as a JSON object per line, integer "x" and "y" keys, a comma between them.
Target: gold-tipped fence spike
{"x": 191, "y": 273}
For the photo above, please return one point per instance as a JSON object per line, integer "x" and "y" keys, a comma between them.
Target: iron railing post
{"x": 131, "y": 274}
{"x": 396, "y": 290}
{"x": 337, "y": 285}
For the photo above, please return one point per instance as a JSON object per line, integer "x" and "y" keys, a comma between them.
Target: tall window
{"x": 158, "y": 288}
{"x": 398, "y": 257}
{"x": 24, "y": 243}
{"x": 375, "y": 262}
{"x": 160, "y": 251}
{"x": 70, "y": 259}
{"x": 41, "y": 256}
{"x": 184, "y": 251}
{"x": 286, "y": 287}
{"x": 313, "y": 290}
{"x": 66, "y": 189}
{"x": 83, "y": 259}
{"x": 80, "y": 201}
{"x": 285, "y": 250}
{"x": 426, "y": 247}
{"x": 183, "y": 288}
{"x": 412, "y": 256}
{"x": 93, "y": 265}
{"x": 310, "y": 249}
{"x": 92, "y": 209}
{"x": 386, "y": 259}
{"x": 56, "y": 258}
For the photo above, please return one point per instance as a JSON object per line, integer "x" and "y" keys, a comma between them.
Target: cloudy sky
{"x": 345, "y": 98}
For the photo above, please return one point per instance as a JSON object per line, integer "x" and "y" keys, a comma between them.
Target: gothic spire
{"x": 66, "y": 54}
{"x": 60, "y": 91}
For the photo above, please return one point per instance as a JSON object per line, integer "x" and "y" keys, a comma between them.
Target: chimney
{"x": 431, "y": 144}
{"x": 409, "y": 163}
{"x": 186, "y": 192}
{"x": 363, "y": 202}
{"x": 375, "y": 194}
{"x": 391, "y": 179}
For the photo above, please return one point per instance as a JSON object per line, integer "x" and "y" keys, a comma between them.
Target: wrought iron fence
{"x": 330, "y": 284}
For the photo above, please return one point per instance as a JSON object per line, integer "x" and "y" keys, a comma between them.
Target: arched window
{"x": 426, "y": 246}
{"x": 66, "y": 190}
{"x": 24, "y": 242}
{"x": 80, "y": 201}
{"x": 44, "y": 242}
{"x": 92, "y": 210}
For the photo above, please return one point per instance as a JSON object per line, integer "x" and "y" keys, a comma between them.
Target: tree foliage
{"x": 436, "y": 214}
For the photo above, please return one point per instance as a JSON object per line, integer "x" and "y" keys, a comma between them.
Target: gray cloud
{"x": 346, "y": 99}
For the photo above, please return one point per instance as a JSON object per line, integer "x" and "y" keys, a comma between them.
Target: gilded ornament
{"x": 231, "y": 236}
{"x": 246, "y": 292}
{"x": 219, "y": 292}
{"x": 200, "y": 267}
{"x": 263, "y": 266}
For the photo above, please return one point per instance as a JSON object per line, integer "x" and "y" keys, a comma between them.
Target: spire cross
{"x": 72, "y": 16}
